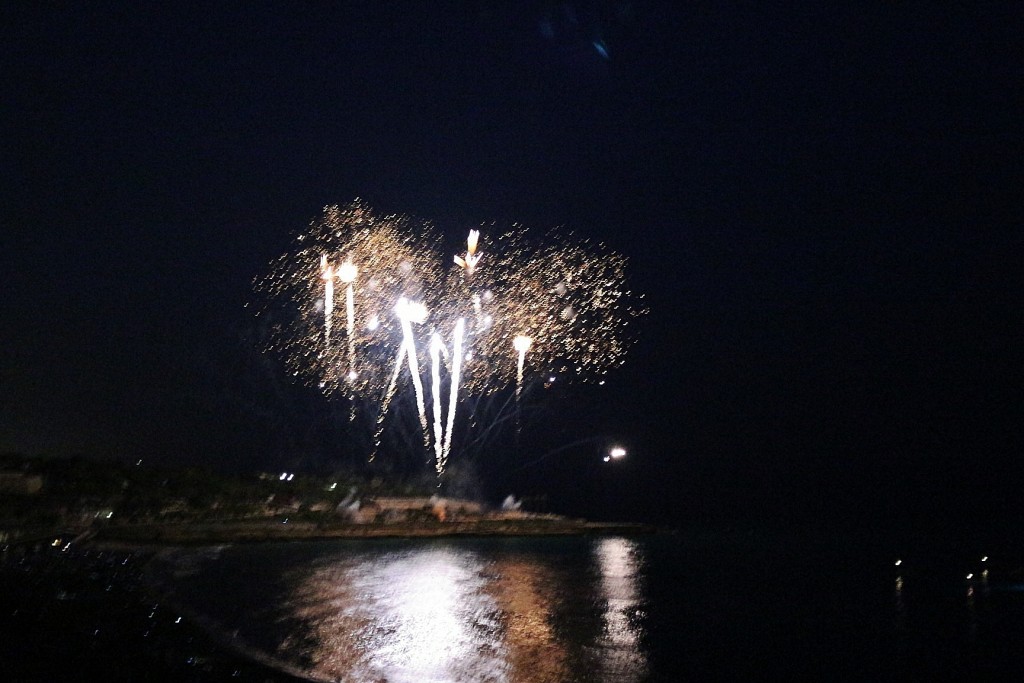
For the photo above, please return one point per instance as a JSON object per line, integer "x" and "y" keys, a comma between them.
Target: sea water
{"x": 659, "y": 607}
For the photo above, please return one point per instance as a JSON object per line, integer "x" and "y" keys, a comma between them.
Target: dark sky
{"x": 822, "y": 202}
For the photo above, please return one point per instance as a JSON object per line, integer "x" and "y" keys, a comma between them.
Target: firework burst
{"x": 508, "y": 308}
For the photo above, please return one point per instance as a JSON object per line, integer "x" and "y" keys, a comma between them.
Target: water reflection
{"x": 399, "y": 617}
{"x": 620, "y": 561}
{"x": 449, "y": 612}
{"x": 526, "y": 592}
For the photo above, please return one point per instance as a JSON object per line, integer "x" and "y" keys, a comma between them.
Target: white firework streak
{"x": 519, "y": 373}
{"x": 522, "y": 345}
{"x": 453, "y": 389}
{"x": 414, "y": 369}
{"x": 350, "y": 309}
{"x": 347, "y": 273}
{"x": 386, "y": 402}
{"x": 328, "y": 297}
{"x": 435, "y": 376}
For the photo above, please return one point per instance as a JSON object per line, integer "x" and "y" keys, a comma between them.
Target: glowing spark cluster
{"x": 468, "y": 263}
{"x": 511, "y": 307}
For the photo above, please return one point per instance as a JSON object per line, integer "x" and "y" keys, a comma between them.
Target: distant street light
{"x": 616, "y": 453}
{"x": 611, "y": 452}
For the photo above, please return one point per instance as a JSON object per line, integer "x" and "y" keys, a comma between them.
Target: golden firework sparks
{"x": 561, "y": 299}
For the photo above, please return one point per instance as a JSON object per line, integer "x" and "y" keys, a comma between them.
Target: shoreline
{"x": 279, "y": 530}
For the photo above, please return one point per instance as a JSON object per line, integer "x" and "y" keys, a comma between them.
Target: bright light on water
{"x": 620, "y": 560}
{"x": 448, "y": 613}
{"x": 423, "y": 616}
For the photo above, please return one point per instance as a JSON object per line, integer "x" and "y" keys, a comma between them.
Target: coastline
{"x": 287, "y": 530}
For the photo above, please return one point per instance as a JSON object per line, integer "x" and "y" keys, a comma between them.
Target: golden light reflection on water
{"x": 446, "y": 613}
{"x": 527, "y": 592}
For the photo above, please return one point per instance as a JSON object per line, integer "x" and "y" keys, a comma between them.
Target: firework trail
{"x": 521, "y": 344}
{"x": 328, "y": 296}
{"x": 435, "y": 390}
{"x": 453, "y": 392}
{"x": 347, "y": 274}
{"x": 386, "y": 401}
{"x": 408, "y": 313}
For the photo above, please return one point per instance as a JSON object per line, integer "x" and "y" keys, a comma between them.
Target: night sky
{"x": 821, "y": 201}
